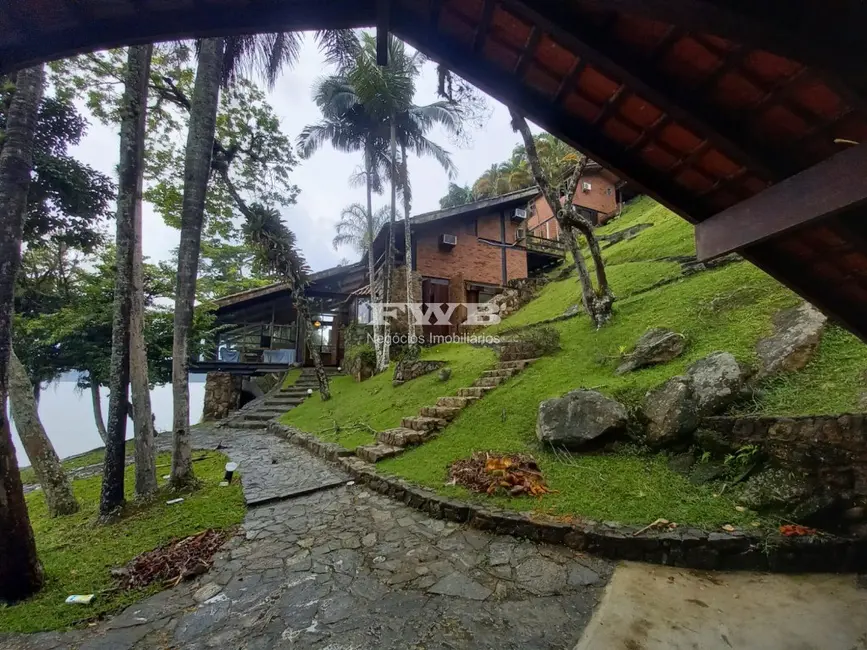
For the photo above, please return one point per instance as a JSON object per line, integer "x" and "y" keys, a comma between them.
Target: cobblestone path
{"x": 338, "y": 567}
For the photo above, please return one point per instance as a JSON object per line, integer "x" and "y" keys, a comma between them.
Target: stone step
{"x": 260, "y": 416}
{"x": 519, "y": 364}
{"x": 442, "y": 412}
{"x": 420, "y": 423}
{"x": 250, "y": 424}
{"x": 274, "y": 410}
{"x": 286, "y": 399}
{"x": 501, "y": 372}
{"x": 456, "y": 402}
{"x": 475, "y": 391}
{"x": 489, "y": 381}
{"x": 377, "y": 452}
{"x": 401, "y": 437}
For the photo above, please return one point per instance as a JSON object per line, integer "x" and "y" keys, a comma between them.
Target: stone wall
{"x": 222, "y": 395}
{"x": 410, "y": 369}
{"x": 829, "y": 449}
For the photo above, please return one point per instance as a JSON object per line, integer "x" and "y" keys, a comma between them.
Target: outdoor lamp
{"x": 230, "y": 469}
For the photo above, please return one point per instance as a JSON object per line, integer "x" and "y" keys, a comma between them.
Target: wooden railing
{"x": 250, "y": 341}
{"x": 541, "y": 245}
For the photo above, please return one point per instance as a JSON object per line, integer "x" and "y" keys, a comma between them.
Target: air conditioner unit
{"x": 586, "y": 187}
{"x": 520, "y": 214}
{"x": 448, "y": 241}
{"x": 520, "y": 233}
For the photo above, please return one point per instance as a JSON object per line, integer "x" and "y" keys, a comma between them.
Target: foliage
{"x": 544, "y": 339}
{"x": 376, "y": 405}
{"x": 457, "y": 195}
{"x": 352, "y": 227}
{"x": 361, "y": 355}
{"x": 77, "y": 556}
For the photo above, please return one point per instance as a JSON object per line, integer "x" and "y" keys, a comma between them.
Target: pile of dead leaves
{"x": 180, "y": 560}
{"x": 514, "y": 475}
{"x": 796, "y": 530}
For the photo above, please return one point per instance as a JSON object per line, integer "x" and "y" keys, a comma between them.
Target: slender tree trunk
{"x": 37, "y": 391}
{"x": 20, "y": 570}
{"x": 130, "y": 166}
{"x": 412, "y": 329}
{"x": 389, "y": 256}
{"x": 197, "y": 169}
{"x": 143, "y": 423}
{"x": 96, "y": 400}
{"x": 302, "y": 307}
{"x": 43, "y": 458}
{"x": 375, "y": 299}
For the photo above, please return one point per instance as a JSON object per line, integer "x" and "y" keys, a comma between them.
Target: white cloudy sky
{"x": 323, "y": 179}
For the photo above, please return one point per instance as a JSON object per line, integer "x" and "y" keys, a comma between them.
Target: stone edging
{"x": 682, "y": 547}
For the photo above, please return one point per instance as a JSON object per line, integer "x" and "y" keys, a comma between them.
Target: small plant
{"x": 742, "y": 458}
{"x": 544, "y": 339}
{"x": 705, "y": 458}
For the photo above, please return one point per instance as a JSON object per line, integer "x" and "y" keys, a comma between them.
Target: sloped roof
{"x": 702, "y": 104}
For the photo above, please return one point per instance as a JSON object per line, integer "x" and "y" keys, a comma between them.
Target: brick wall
{"x": 602, "y": 198}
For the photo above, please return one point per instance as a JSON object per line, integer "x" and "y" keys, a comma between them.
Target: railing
{"x": 254, "y": 343}
{"x": 541, "y": 245}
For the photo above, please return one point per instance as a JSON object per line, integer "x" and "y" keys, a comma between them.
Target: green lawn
{"x": 356, "y": 410}
{"x": 28, "y": 476}
{"x": 77, "y": 554}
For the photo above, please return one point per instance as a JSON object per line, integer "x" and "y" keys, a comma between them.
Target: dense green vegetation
{"x": 357, "y": 410}
{"x": 725, "y": 309}
{"x": 78, "y": 555}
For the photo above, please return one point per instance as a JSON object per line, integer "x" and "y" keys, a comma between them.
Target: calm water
{"x": 67, "y": 415}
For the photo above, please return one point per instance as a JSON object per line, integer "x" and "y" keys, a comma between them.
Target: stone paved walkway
{"x": 344, "y": 568}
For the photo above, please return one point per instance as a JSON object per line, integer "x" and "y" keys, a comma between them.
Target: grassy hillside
{"x": 725, "y": 309}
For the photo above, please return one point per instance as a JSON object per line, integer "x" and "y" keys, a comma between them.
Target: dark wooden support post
{"x": 383, "y": 24}
{"x": 831, "y": 187}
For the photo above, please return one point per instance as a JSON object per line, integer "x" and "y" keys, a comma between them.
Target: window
{"x": 363, "y": 311}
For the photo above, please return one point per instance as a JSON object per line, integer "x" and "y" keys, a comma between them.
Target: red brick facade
{"x": 600, "y": 198}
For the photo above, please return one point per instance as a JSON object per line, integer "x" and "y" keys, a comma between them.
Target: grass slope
{"x": 77, "y": 554}
{"x": 28, "y": 476}
{"x": 376, "y": 404}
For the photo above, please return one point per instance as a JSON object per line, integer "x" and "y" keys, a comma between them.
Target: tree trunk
{"x": 129, "y": 167}
{"x": 412, "y": 329}
{"x": 302, "y": 307}
{"x": 197, "y": 170}
{"x": 375, "y": 300}
{"x": 43, "y": 458}
{"x": 143, "y": 423}
{"x": 96, "y": 400}
{"x": 20, "y": 570}
{"x": 389, "y": 251}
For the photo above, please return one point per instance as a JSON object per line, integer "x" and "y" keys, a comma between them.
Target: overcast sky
{"x": 323, "y": 179}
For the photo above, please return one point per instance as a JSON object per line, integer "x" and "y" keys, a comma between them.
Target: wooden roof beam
{"x": 569, "y": 80}
{"x": 831, "y": 187}
{"x": 597, "y": 48}
{"x": 484, "y": 25}
{"x": 529, "y": 51}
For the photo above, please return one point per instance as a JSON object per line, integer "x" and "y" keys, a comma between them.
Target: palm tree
{"x": 220, "y": 61}
{"x": 456, "y": 195}
{"x": 20, "y": 570}
{"x": 352, "y": 227}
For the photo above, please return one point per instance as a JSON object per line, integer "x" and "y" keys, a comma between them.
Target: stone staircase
{"x": 421, "y": 428}
{"x": 276, "y": 403}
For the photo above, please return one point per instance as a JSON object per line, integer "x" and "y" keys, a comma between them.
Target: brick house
{"x": 596, "y": 196}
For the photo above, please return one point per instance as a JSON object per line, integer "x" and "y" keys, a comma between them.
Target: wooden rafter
{"x": 436, "y": 7}
{"x": 484, "y": 25}
{"x": 611, "y": 105}
{"x": 569, "y": 80}
{"x": 529, "y": 51}
{"x": 651, "y": 133}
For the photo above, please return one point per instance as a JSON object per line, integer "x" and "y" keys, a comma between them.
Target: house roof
{"x": 703, "y": 104}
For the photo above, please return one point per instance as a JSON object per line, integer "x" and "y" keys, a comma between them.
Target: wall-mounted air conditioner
{"x": 520, "y": 233}
{"x": 586, "y": 187}
{"x": 448, "y": 241}
{"x": 520, "y": 214}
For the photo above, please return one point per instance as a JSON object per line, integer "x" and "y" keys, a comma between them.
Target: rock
{"x": 460, "y": 586}
{"x": 408, "y": 369}
{"x": 444, "y": 374}
{"x": 541, "y": 577}
{"x": 797, "y": 332}
{"x": 671, "y": 412}
{"x": 573, "y": 310}
{"x": 706, "y": 472}
{"x": 222, "y": 395}
{"x": 773, "y": 489}
{"x": 622, "y": 235}
{"x": 716, "y": 382}
{"x": 681, "y": 463}
{"x": 207, "y": 592}
{"x": 581, "y": 576}
{"x": 578, "y": 418}
{"x": 657, "y": 345}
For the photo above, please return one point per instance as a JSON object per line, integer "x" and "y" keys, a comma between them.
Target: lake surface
{"x": 67, "y": 415}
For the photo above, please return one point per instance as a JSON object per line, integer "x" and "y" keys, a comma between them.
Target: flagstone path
{"x": 327, "y": 564}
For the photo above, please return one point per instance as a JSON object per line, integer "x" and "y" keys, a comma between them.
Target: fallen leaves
{"x": 796, "y": 530}
{"x": 179, "y": 560}
{"x": 514, "y": 475}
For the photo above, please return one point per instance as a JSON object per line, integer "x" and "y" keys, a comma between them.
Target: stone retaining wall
{"x": 831, "y": 449}
{"x": 683, "y": 547}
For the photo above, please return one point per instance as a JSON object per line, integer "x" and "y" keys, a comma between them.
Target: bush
{"x": 532, "y": 343}
{"x": 360, "y": 360}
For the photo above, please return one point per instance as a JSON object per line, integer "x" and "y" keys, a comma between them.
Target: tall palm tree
{"x": 20, "y": 570}
{"x": 220, "y": 61}
{"x": 352, "y": 227}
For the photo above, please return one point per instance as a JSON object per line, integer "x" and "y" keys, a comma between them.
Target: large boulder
{"x": 657, "y": 345}
{"x": 671, "y": 412}
{"x": 716, "y": 382}
{"x": 579, "y": 419}
{"x": 797, "y": 332}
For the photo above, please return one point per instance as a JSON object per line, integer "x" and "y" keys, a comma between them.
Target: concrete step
{"x": 476, "y": 391}
{"x": 456, "y": 402}
{"x": 421, "y": 423}
{"x": 501, "y": 372}
{"x": 377, "y": 452}
{"x": 448, "y": 413}
{"x": 489, "y": 381}
{"x": 401, "y": 437}
{"x": 519, "y": 364}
